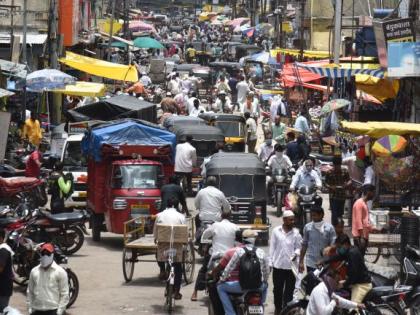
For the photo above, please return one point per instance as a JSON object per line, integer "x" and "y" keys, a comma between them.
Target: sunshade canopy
{"x": 126, "y": 131}
{"x": 224, "y": 163}
{"x": 120, "y": 106}
{"x": 82, "y": 88}
{"x": 378, "y": 129}
{"x": 147, "y": 42}
{"x": 199, "y": 133}
{"x": 100, "y": 68}
{"x": 388, "y": 145}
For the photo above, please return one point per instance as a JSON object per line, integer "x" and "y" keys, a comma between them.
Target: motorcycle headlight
{"x": 279, "y": 178}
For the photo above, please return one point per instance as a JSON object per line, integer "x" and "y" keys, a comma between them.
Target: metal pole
{"x": 111, "y": 29}
{"x": 12, "y": 9}
{"x": 337, "y": 30}
{"x": 25, "y": 30}
{"x": 302, "y": 28}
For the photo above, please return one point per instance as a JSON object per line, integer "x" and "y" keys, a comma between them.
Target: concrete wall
{"x": 37, "y": 15}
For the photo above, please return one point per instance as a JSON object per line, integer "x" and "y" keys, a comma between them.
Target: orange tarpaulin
{"x": 289, "y": 79}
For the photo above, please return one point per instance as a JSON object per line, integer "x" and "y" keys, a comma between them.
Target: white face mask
{"x": 279, "y": 155}
{"x": 46, "y": 260}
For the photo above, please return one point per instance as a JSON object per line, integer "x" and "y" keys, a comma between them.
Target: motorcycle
{"x": 13, "y": 189}
{"x": 307, "y": 198}
{"x": 281, "y": 182}
{"x": 27, "y": 256}
{"x": 66, "y": 230}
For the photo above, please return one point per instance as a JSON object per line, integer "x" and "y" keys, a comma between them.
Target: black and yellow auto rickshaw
{"x": 205, "y": 140}
{"x": 233, "y": 128}
{"x": 217, "y": 68}
{"x": 173, "y": 122}
{"x": 241, "y": 177}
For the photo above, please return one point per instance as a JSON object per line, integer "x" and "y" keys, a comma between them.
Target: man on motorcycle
{"x": 308, "y": 177}
{"x": 222, "y": 235}
{"x": 323, "y": 300}
{"x": 279, "y": 164}
{"x": 225, "y": 287}
{"x": 61, "y": 186}
{"x": 358, "y": 277}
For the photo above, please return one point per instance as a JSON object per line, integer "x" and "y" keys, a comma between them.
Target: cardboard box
{"x": 180, "y": 233}
{"x": 163, "y": 251}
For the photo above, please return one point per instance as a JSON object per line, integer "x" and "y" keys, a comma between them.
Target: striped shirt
{"x": 315, "y": 241}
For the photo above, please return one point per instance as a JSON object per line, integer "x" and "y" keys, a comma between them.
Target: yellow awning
{"x": 378, "y": 129}
{"x": 100, "y": 68}
{"x": 296, "y": 52}
{"x": 82, "y": 88}
{"x": 382, "y": 89}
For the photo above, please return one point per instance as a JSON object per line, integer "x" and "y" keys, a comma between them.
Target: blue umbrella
{"x": 48, "y": 79}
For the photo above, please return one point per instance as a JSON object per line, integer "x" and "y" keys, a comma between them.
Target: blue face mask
{"x": 342, "y": 250}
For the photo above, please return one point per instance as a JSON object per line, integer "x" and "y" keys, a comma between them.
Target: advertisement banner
{"x": 404, "y": 59}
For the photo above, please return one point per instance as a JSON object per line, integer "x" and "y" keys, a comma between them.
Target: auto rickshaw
{"x": 246, "y": 50}
{"x": 241, "y": 177}
{"x": 233, "y": 128}
{"x": 232, "y": 68}
{"x": 205, "y": 139}
{"x": 172, "y": 122}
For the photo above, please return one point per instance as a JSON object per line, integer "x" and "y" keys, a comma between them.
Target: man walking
{"x": 6, "y": 272}
{"x": 285, "y": 243}
{"x": 251, "y": 126}
{"x": 317, "y": 235}
{"x": 173, "y": 190}
{"x": 48, "y": 287}
{"x": 185, "y": 160}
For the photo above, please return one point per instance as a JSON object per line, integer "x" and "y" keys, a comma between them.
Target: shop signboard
{"x": 404, "y": 59}
{"x": 386, "y": 31}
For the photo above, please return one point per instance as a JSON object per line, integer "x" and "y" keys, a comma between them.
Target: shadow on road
{"x": 111, "y": 242}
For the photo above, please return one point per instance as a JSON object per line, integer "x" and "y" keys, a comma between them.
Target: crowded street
{"x": 223, "y": 157}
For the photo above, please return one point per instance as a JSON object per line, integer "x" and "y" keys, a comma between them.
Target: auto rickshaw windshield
{"x": 243, "y": 186}
{"x": 135, "y": 176}
{"x": 231, "y": 128}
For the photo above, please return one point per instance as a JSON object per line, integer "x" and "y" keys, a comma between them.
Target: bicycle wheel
{"x": 188, "y": 263}
{"x": 129, "y": 257}
{"x": 372, "y": 254}
{"x": 169, "y": 296}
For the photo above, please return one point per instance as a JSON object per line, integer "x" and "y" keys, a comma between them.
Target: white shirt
{"x": 369, "y": 176}
{"x": 145, "y": 80}
{"x": 191, "y": 103}
{"x": 282, "y": 163}
{"x": 173, "y": 87}
{"x": 197, "y": 111}
{"x": 283, "y": 246}
{"x": 210, "y": 202}
{"x": 251, "y": 128}
{"x": 222, "y": 234}
{"x": 265, "y": 151}
{"x": 243, "y": 89}
{"x": 218, "y": 104}
{"x": 306, "y": 178}
{"x": 320, "y": 302}
{"x": 185, "y": 158}
{"x": 48, "y": 289}
{"x": 170, "y": 216}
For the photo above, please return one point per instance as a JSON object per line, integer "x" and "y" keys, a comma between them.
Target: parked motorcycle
{"x": 27, "y": 256}
{"x": 13, "y": 189}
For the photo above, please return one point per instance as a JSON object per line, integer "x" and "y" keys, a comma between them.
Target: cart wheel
{"x": 129, "y": 257}
{"x": 169, "y": 296}
{"x": 372, "y": 254}
{"x": 188, "y": 263}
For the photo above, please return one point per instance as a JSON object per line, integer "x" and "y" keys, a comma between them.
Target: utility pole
{"x": 111, "y": 29}
{"x": 25, "y": 30}
{"x": 302, "y": 28}
{"x": 52, "y": 36}
{"x": 337, "y": 30}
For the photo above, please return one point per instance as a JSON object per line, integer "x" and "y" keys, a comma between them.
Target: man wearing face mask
{"x": 278, "y": 130}
{"x": 266, "y": 149}
{"x": 279, "y": 164}
{"x": 48, "y": 288}
{"x": 317, "y": 235}
{"x": 308, "y": 177}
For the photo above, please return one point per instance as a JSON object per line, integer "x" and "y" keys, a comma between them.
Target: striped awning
{"x": 336, "y": 72}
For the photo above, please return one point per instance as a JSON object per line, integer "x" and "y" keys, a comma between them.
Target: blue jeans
{"x": 225, "y": 288}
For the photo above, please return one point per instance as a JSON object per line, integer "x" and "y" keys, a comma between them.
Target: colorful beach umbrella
{"x": 334, "y": 105}
{"x": 388, "y": 145}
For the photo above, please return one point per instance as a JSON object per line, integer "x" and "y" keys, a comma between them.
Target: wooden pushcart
{"x": 138, "y": 243}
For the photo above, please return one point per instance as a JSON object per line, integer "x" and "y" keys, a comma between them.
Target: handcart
{"x": 137, "y": 244}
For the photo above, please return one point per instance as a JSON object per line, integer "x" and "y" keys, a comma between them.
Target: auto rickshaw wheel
{"x": 129, "y": 258}
{"x": 188, "y": 263}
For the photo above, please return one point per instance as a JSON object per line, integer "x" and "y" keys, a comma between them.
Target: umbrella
{"x": 119, "y": 45}
{"x": 237, "y": 22}
{"x": 141, "y": 26}
{"x": 147, "y": 42}
{"x": 48, "y": 79}
{"x": 263, "y": 57}
{"x": 388, "y": 145}
{"x": 334, "y": 105}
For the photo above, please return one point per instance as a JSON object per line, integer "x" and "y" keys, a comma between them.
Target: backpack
{"x": 250, "y": 270}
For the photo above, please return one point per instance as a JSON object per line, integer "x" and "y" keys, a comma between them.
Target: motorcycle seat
{"x": 7, "y": 220}
{"x": 66, "y": 217}
{"x": 382, "y": 291}
{"x": 17, "y": 182}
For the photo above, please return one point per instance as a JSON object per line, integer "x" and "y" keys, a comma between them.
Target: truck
{"x": 127, "y": 161}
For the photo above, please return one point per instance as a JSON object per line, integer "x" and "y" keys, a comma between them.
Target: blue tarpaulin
{"x": 125, "y": 132}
